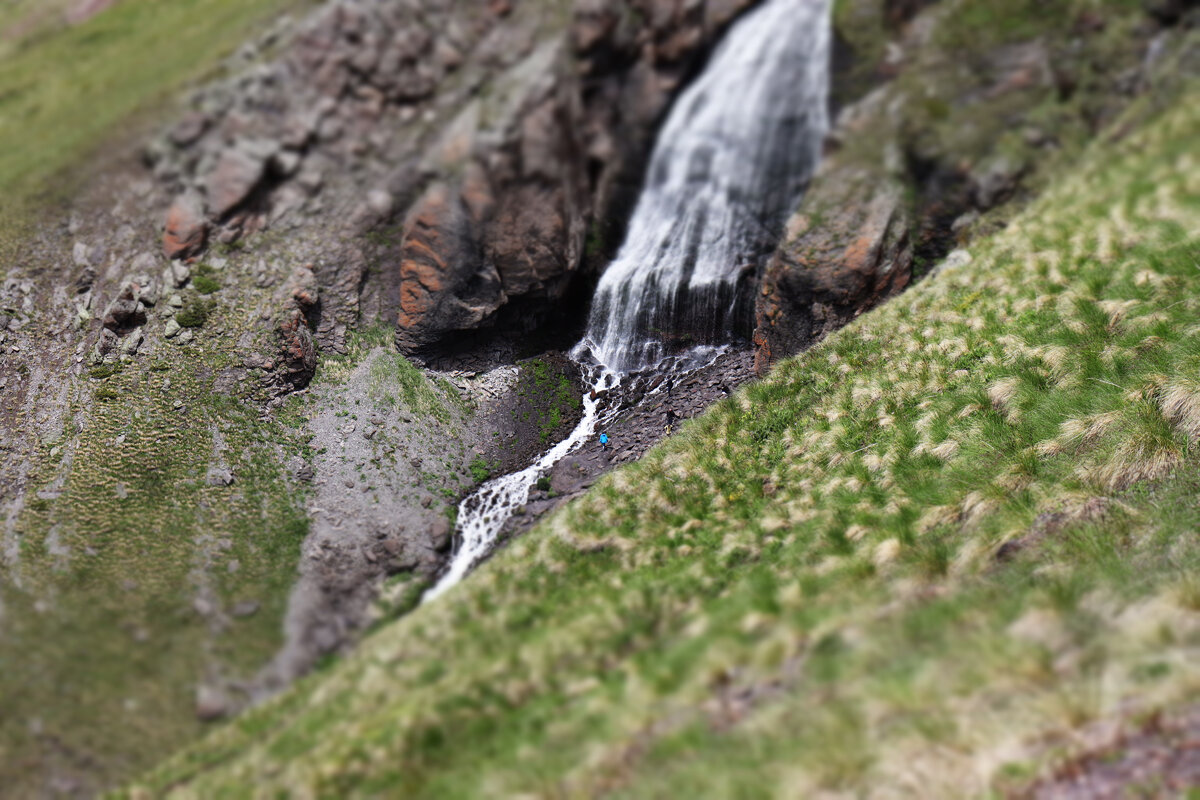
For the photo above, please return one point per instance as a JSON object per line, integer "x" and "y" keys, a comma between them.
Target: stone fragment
{"x": 132, "y": 342}
{"x": 219, "y": 476}
{"x": 297, "y": 350}
{"x": 178, "y": 274}
{"x": 125, "y": 312}
{"x": 303, "y": 288}
{"x": 189, "y": 129}
{"x": 186, "y": 228}
{"x": 440, "y": 534}
{"x": 246, "y": 608}
{"x": 236, "y": 174}
{"x": 211, "y": 703}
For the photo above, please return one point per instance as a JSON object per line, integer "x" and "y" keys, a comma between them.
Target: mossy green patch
{"x": 205, "y": 280}
{"x": 480, "y": 470}
{"x": 396, "y": 379}
{"x": 194, "y": 313}
{"x": 133, "y": 558}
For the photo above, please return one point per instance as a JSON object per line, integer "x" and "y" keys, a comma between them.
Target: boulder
{"x": 125, "y": 312}
{"x": 238, "y": 171}
{"x": 845, "y": 251}
{"x": 445, "y": 283}
{"x": 189, "y": 129}
{"x": 303, "y": 289}
{"x": 298, "y": 354}
{"x": 211, "y": 703}
{"x": 186, "y": 228}
{"x": 440, "y": 534}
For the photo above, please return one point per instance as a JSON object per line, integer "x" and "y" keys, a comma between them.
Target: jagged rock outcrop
{"x": 832, "y": 267}
{"x": 186, "y": 228}
{"x": 500, "y": 207}
{"x": 553, "y": 167}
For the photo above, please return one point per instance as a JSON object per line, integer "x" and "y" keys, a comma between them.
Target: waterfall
{"x": 736, "y": 152}
{"x": 731, "y": 162}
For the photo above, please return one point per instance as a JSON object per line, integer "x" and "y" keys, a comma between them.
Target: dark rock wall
{"x": 475, "y": 162}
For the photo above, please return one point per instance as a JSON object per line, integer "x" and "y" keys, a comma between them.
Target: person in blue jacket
{"x": 604, "y": 441}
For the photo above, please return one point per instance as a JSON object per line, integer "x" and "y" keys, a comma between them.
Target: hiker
{"x": 604, "y": 441}
{"x": 670, "y": 384}
{"x": 670, "y": 420}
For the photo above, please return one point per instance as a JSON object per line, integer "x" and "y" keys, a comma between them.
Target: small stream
{"x": 482, "y": 515}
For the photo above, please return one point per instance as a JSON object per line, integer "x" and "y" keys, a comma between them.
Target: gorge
{"x": 312, "y": 311}
{"x": 731, "y": 162}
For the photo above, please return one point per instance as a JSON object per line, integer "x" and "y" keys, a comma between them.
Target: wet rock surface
{"x": 650, "y": 411}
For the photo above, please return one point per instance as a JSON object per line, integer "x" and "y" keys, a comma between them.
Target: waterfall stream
{"x": 739, "y": 147}
{"x": 482, "y": 515}
{"x": 735, "y": 154}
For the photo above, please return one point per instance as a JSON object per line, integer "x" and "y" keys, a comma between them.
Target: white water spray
{"x": 732, "y": 161}
{"x": 483, "y": 514}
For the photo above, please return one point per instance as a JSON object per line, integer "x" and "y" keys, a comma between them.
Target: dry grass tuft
{"x": 1179, "y": 402}
{"x": 1139, "y": 457}
{"x": 1002, "y": 393}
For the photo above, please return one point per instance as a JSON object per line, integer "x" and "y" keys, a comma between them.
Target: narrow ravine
{"x": 731, "y": 162}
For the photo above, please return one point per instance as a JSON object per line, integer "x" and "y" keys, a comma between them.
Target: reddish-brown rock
{"x": 234, "y": 177}
{"x": 296, "y": 348}
{"x": 846, "y": 251}
{"x": 302, "y": 288}
{"x": 446, "y": 285}
{"x": 529, "y": 244}
{"x": 186, "y": 229}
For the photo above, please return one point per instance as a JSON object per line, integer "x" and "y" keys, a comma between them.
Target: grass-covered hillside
{"x": 64, "y": 88}
{"x": 123, "y": 562}
{"x": 936, "y": 555}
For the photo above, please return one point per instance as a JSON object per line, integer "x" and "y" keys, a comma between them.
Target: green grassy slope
{"x": 801, "y": 590}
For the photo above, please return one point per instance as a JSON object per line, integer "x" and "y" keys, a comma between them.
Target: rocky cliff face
{"x": 472, "y": 170}
{"x": 481, "y": 161}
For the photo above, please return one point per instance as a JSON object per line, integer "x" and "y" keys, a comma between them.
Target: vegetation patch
{"x": 918, "y": 555}
{"x": 204, "y": 279}
{"x": 146, "y": 562}
{"x": 480, "y": 470}
{"x": 194, "y": 313}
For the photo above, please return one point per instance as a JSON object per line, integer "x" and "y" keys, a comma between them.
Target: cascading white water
{"x": 483, "y": 514}
{"x": 734, "y": 156}
{"x": 737, "y": 150}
